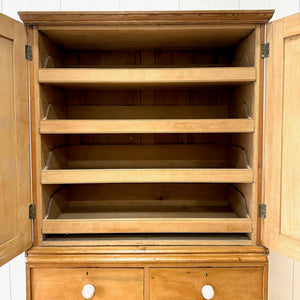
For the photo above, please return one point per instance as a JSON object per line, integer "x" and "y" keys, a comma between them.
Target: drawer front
{"x": 187, "y": 283}
{"x": 67, "y": 283}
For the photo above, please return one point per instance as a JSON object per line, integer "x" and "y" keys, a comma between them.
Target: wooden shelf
{"x": 145, "y": 77}
{"x": 146, "y": 126}
{"x": 227, "y": 224}
{"x": 146, "y": 175}
{"x": 146, "y": 163}
{"x": 135, "y": 209}
{"x": 144, "y": 119}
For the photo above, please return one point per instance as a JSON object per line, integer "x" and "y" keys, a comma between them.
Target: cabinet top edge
{"x": 193, "y": 17}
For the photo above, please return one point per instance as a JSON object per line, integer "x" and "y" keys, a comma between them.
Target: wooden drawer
{"x": 67, "y": 283}
{"x": 186, "y": 283}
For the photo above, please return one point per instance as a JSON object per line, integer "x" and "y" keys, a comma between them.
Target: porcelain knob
{"x": 208, "y": 292}
{"x": 88, "y": 291}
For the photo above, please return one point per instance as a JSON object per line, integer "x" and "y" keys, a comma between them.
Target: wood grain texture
{"x": 233, "y": 252}
{"x": 147, "y": 111}
{"x": 145, "y": 77}
{"x": 125, "y": 37}
{"x": 180, "y": 256}
{"x": 204, "y": 156}
{"x": 260, "y": 137}
{"x": 149, "y": 239}
{"x": 146, "y": 175}
{"x": 256, "y": 139}
{"x": 15, "y": 235}
{"x": 281, "y": 228}
{"x": 66, "y": 283}
{"x": 146, "y": 126}
{"x": 244, "y": 55}
{"x": 169, "y": 17}
{"x": 193, "y": 263}
{"x": 186, "y": 283}
{"x": 145, "y": 225}
{"x": 290, "y": 192}
{"x": 133, "y": 208}
{"x": 36, "y": 147}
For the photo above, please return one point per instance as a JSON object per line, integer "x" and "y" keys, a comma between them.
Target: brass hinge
{"x": 262, "y": 210}
{"x": 32, "y": 211}
{"x": 265, "y": 50}
{"x": 28, "y": 52}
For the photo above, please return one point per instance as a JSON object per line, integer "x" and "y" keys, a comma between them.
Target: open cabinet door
{"x": 15, "y": 225}
{"x": 281, "y": 228}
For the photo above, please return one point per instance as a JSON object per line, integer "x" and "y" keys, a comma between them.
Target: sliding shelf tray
{"x": 145, "y": 77}
{"x": 147, "y": 163}
{"x": 147, "y": 208}
{"x": 144, "y": 119}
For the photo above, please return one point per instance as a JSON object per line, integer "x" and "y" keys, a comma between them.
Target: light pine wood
{"x": 217, "y": 224}
{"x": 147, "y": 37}
{"x": 260, "y": 130}
{"x": 70, "y": 116}
{"x": 50, "y": 55}
{"x": 186, "y": 283}
{"x": 133, "y": 208}
{"x": 164, "y": 17}
{"x": 290, "y": 192}
{"x": 147, "y": 111}
{"x": 281, "y": 228}
{"x": 15, "y": 232}
{"x": 145, "y": 126}
{"x": 67, "y": 283}
{"x": 149, "y": 239}
{"x": 241, "y": 263}
{"x": 208, "y": 253}
{"x": 147, "y": 156}
{"x": 155, "y": 256}
{"x": 146, "y": 175}
{"x": 161, "y": 195}
{"x": 36, "y": 147}
{"x": 147, "y": 77}
{"x": 255, "y": 144}
{"x": 242, "y": 102}
{"x": 143, "y": 163}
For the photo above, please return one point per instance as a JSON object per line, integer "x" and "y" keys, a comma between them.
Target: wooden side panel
{"x": 67, "y": 283}
{"x": 15, "y": 225}
{"x": 282, "y": 226}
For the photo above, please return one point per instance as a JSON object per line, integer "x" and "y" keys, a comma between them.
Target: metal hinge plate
{"x": 28, "y": 52}
{"x": 32, "y": 211}
{"x": 262, "y": 210}
{"x": 265, "y": 50}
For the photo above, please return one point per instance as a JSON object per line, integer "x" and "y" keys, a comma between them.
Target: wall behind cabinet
{"x": 284, "y": 274}
{"x": 283, "y": 8}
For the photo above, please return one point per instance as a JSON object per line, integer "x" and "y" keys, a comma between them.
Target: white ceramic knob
{"x": 208, "y": 292}
{"x": 88, "y": 291}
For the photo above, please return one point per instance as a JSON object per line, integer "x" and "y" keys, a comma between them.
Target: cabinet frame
{"x": 243, "y": 19}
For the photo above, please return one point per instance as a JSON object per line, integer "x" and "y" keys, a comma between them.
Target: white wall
{"x": 284, "y": 272}
{"x": 283, "y": 8}
{"x": 13, "y": 279}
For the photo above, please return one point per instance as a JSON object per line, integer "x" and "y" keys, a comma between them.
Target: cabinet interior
{"x": 142, "y": 162}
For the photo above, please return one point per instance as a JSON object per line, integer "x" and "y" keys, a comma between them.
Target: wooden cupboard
{"x": 160, "y": 163}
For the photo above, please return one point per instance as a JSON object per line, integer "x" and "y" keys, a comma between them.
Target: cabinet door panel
{"x": 15, "y": 226}
{"x": 282, "y": 138}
